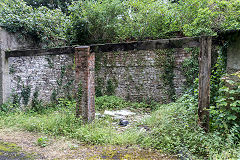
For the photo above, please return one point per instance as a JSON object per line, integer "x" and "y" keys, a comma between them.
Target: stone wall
{"x": 10, "y": 41}
{"x": 138, "y": 75}
{"x": 133, "y": 75}
{"x": 49, "y": 76}
{"x": 233, "y": 56}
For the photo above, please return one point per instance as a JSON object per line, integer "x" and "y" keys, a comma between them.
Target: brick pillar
{"x": 84, "y": 78}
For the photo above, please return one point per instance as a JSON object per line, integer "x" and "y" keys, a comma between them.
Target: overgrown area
{"x": 170, "y": 128}
{"x": 89, "y": 21}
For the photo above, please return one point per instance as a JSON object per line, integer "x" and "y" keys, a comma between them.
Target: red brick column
{"x": 84, "y": 80}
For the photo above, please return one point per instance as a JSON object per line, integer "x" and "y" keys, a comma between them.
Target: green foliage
{"x": 146, "y": 19}
{"x": 36, "y": 103}
{"x": 99, "y": 87}
{"x": 42, "y": 141}
{"x": 65, "y": 103}
{"x": 54, "y": 96}
{"x": 113, "y": 102}
{"x": 218, "y": 70}
{"x": 50, "y": 63}
{"x": 143, "y": 105}
{"x": 40, "y": 23}
{"x": 25, "y": 94}
{"x": 190, "y": 67}
{"x": 227, "y": 109}
{"x": 16, "y": 98}
{"x": 174, "y": 129}
{"x": 96, "y": 20}
{"x": 9, "y": 107}
{"x": 110, "y": 102}
{"x": 61, "y": 121}
{"x": 166, "y": 60}
{"x": 111, "y": 86}
{"x": 102, "y": 21}
{"x": 115, "y": 20}
{"x": 53, "y": 4}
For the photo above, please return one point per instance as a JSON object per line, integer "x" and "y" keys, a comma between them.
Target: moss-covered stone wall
{"x": 141, "y": 75}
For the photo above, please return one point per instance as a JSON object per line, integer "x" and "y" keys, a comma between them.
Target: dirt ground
{"x": 62, "y": 148}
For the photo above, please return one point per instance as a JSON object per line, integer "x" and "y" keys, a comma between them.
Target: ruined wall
{"x": 133, "y": 75}
{"x": 49, "y": 76}
{"x": 140, "y": 75}
{"x": 10, "y": 41}
{"x": 233, "y": 56}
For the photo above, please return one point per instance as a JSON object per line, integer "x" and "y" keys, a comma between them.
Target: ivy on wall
{"x": 166, "y": 60}
{"x": 24, "y": 91}
{"x": 190, "y": 66}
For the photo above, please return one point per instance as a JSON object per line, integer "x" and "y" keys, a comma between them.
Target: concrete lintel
{"x": 40, "y": 52}
{"x": 186, "y": 42}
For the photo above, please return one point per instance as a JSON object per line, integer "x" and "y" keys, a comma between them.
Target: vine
{"x": 36, "y": 103}
{"x": 190, "y": 67}
{"x": 25, "y": 94}
{"x": 99, "y": 86}
{"x": 111, "y": 86}
{"x": 11, "y": 69}
{"x": 50, "y": 63}
{"x": 166, "y": 60}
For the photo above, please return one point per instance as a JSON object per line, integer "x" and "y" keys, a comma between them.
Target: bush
{"x": 110, "y": 102}
{"x": 227, "y": 110}
{"x": 96, "y": 20}
{"x": 40, "y": 23}
{"x": 174, "y": 129}
{"x": 115, "y": 20}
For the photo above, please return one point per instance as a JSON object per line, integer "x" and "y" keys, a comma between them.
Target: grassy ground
{"x": 171, "y": 128}
{"x": 64, "y": 148}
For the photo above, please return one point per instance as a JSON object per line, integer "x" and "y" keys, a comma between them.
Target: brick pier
{"x": 84, "y": 80}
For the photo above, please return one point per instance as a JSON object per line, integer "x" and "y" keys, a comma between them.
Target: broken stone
{"x": 125, "y": 113}
{"x": 119, "y": 117}
{"x": 110, "y": 113}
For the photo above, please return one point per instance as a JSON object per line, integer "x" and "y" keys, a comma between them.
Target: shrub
{"x": 110, "y": 102}
{"x": 174, "y": 129}
{"x": 40, "y": 23}
{"x": 96, "y": 20}
{"x": 227, "y": 110}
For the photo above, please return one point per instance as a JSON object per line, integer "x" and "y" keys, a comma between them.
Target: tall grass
{"x": 172, "y": 129}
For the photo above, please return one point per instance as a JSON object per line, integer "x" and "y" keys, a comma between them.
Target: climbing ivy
{"x": 50, "y": 62}
{"x": 25, "y": 94}
{"x": 54, "y": 96}
{"x": 166, "y": 60}
{"x": 36, "y": 103}
{"x": 111, "y": 86}
{"x": 99, "y": 87}
{"x": 190, "y": 67}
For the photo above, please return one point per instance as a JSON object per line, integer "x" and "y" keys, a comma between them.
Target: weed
{"x": 42, "y": 141}
{"x": 110, "y": 102}
{"x": 172, "y": 127}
